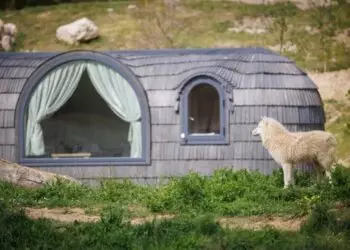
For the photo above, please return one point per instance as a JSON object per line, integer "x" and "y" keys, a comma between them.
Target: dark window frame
{"x": 186, "y": 137}
{"x": 108, "y": 61}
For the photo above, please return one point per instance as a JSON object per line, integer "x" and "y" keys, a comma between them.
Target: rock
{"x": 1, "y": 26}
{"x": 132, "y": 7}
{"x": 110, "y": 10}
{"x": 28, "y": 177}
{"x": 78, "y": 31}
{"x": 6, "y": 42}
{"x": 10, "y": 29}
{"x": 251, "y": 25}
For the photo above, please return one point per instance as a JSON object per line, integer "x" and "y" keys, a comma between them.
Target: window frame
{"x": 186, "y": 137}
{"x": 35, "y": 79}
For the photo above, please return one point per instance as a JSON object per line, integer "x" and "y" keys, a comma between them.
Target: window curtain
{"x": 122, "y": 100}
{"x": 54, "y": 90}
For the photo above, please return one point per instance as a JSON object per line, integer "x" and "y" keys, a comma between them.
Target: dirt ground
{"x": 69, "y": 215}
{"x": 301, "y": 4}
{"x": 332, "y": 85}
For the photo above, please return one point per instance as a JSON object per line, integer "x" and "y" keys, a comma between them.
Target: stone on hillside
{"x": 10, "y": 29}
{"x": 78, "y": 31}
{"x": 1, "y": 26}
{"x": 6, "y": 42}
{"x": 132, "y": 7}
{"x": 28, "y": 177}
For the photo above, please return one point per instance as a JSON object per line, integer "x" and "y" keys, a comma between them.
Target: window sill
{"x": 102, "y": 161}
{"x": 205, "y": 139}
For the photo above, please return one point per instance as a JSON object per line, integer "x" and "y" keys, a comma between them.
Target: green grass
{"x": 184, "y": 232}
{"x": 196, "y": 202}
{"x": 194, "y": 226}
{"x": 226, "y": 192}
{"x": 340, "y": 127}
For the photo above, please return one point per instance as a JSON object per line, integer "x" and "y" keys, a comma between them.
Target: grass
{"x": 195, "y": 200}
{"x": 225, "y": 193}
{"x": 184, "y": 232}
{"x": 120, "y": 28}
{"x": 340, "y": 126}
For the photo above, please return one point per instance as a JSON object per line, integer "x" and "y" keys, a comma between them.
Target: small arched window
{"x": 203, "y": 112}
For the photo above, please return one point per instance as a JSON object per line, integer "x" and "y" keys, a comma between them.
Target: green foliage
{"x": 341, "y": 183}
{"x": 195, "y": 199}
{"x": 241, "y": 192}
{"x": 186, "y": 231}
{"x": 226, "y": 192}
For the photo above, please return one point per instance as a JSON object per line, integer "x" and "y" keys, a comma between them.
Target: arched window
{"x": 203, "y": 112}
{"x": 90, "y": 110}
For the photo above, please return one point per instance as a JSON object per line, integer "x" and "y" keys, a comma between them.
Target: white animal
{"x": 291, "y": 148}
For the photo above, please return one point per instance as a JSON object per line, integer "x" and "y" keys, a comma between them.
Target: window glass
{"x": 203, "y": 110}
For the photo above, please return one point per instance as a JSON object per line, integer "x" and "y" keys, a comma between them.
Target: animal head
{"x": 261, "y": 127}
{"x": 268, "y": 125}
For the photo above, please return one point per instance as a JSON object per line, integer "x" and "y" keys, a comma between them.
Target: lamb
{"x": 291, "y": 148}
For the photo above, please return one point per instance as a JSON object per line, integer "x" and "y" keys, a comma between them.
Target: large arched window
{"x": 86, "y": 109}
{"x": 203, "y": 113}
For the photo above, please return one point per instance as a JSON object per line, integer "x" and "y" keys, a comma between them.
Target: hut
{"x": 149, "y": 113}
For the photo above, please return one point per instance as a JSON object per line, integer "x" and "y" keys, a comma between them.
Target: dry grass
{"x": 70, "y": 215}
{"x": 195, "y": 24}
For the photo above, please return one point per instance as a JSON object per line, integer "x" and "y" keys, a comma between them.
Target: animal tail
{"x": 332, "y": 141}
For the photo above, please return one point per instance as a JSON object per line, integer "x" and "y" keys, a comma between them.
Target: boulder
{"x": 1, "y": 26}
{"x": 132, "y": 7}
{"x": 6, "y": 42}
{"x": 78, "y": 31}
{"x": 28, "y": 177}
{"x": 10, "y": 29}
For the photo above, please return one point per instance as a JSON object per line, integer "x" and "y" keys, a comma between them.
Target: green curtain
{"x": 54, "y": 90}
{"x": 122, "y": 100}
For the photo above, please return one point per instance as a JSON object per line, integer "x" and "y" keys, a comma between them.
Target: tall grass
{"x": 226, "y": 192}
{"x": 195, "y": 200}
{"x": 183, "y": 232}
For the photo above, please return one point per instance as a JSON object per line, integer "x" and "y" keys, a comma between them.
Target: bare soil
{"x": 69, "y": 215}
{"x": 332, "y": 85}
{"x": 61, "y": 214}
{"x": 259, "y": 222}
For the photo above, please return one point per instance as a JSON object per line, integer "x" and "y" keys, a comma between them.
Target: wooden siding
{"x": 266, "y": 84}
{"x": 162, "y": 168}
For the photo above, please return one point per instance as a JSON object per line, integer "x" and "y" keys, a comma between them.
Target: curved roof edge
{"x": 180, "y": 51}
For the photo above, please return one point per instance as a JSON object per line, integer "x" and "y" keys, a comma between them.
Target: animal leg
{"x": 325, "y": 164}
{"x": 287, "y": 174}
{"x": 319, "y": 173}
{"x": 329, "y": 176}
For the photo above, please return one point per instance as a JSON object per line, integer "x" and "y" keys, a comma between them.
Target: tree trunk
{"x": 28, "y": 177}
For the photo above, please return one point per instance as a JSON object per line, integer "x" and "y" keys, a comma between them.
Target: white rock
{"x": 132, "y": 7}
{"x": 78, "y": 31}
{"x": 10, "y": 29}
{"x": 6, "y": 42}
{"x": 1, "y": 26}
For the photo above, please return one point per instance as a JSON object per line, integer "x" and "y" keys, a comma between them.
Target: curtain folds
{"x": 54, "y": 91}
{"x": 59, "y": 85}
{"x": 121, "y": 99}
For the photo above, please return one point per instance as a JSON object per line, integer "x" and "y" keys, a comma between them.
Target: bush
{"x": 341, "y": 182}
